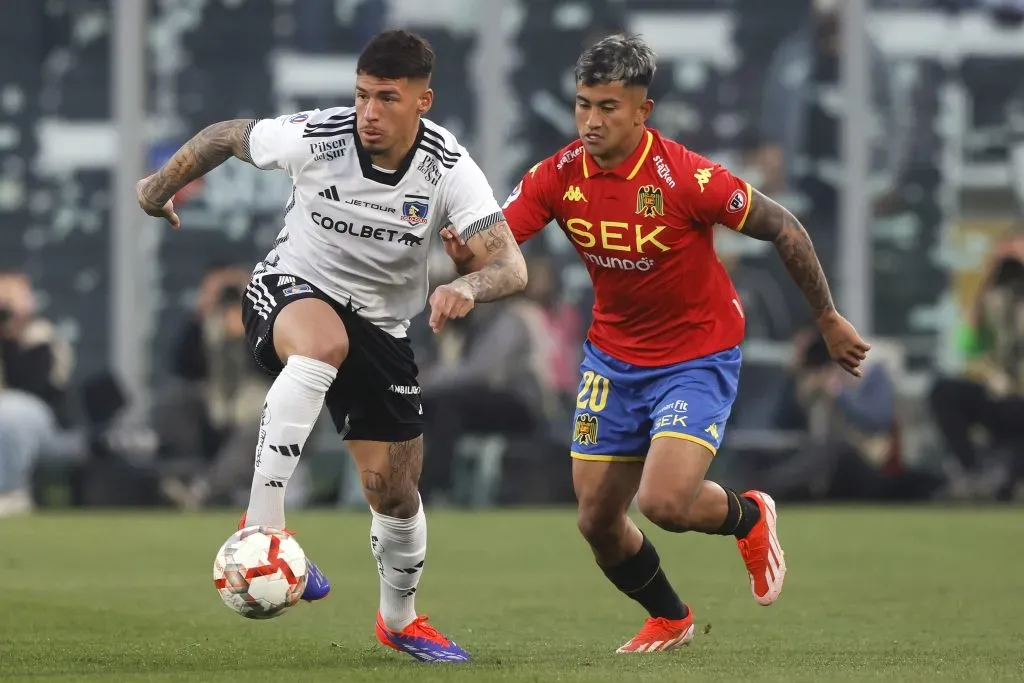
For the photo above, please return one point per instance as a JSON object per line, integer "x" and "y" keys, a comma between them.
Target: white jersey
{"x": 363, "y": 234}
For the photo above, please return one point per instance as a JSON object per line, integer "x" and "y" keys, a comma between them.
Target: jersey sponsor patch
{"x": 737, "y": 202}
{"x": 428, "y": 167}
{"x": 299, "y": 118}
{"x": 366, "y": 232}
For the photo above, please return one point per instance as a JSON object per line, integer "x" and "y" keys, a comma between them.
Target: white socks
{"x": 292, "y": 408}
{"x": 399, "y": 546}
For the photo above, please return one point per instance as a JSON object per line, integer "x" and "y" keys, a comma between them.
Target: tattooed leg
{"x": 390, "y": 474}
{"x": 398, "y": 532}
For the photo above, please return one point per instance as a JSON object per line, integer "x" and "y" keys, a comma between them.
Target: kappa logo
{"x": 713, "y": 431}
{"x": 574, "y": 194}
{"x": 703, "y": 177}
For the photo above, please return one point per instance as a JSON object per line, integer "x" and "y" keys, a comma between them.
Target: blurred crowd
{"x": 499, "y": 388}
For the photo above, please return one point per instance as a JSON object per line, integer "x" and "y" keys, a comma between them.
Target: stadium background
{"x": 908, "y": 170}
{"x": 905, "y": 239}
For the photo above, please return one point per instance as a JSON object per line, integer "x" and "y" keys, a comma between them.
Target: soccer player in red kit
{"x": 662, "y": 359}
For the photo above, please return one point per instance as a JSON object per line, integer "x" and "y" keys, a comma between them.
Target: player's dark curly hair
{"x": 619, "y": 57}
{"x": 397, "y": 54}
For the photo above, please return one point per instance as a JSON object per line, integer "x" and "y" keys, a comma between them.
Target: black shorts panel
{"x": 376, "y": 395}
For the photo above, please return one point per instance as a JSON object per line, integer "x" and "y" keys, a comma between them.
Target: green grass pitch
{"x": 872, "y": 594}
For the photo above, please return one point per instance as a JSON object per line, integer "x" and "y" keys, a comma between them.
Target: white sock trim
{"x": 401, "y": 527}
{"x": 311, "y": 373}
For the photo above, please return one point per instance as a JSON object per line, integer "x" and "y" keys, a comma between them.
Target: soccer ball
{"x": 260, "y": 572}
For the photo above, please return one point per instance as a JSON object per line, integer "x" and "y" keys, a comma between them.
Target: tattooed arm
{"x": 770, "y": 222}
{"x": 499, "y": 270}
{"x": 210, "y": 148}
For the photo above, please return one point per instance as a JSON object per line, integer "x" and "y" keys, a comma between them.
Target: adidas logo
{"x": 287, "y": 451}
{"x": 275, "y": 484}
{"x": 330, "y": 193}
{"x": 410, "y": 570}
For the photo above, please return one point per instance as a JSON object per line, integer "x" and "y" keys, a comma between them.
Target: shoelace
{"x": 421, "y": 628}
{"x": 656, "y": 627}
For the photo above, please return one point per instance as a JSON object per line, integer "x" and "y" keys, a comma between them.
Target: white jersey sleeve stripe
{"x": 245, "y": 142}
{"x": 483, "y": 224}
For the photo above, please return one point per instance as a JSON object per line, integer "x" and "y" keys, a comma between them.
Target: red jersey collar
{"x": 628, "y": 168}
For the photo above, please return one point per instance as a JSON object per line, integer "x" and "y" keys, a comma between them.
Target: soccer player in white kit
{"x": 327, "y": 310}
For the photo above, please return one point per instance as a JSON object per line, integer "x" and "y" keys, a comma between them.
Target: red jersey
{"x": 645, "y": 231}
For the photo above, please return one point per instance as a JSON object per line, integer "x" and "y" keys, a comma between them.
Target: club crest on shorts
{"x": 297, "y": 289}
{"x": 650, "y": 202}
{"x": 585, "y": 431}
{"x": 414, "y": 210}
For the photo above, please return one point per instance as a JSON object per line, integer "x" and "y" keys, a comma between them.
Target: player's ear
{"x": 426, "y": 101}
{"x": 646, "y": 107}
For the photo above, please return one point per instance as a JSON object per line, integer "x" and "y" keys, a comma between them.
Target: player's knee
{"x": 666, "y": 510}
{"x": 328, "y": 348}
{"x": 597, "y": 526}
{"x": 312, "y": 329}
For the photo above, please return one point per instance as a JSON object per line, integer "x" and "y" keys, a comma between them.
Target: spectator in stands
{"x": 852, "y": 447}
{"x": 219, "y": 393}
{"x": 500, "y": 370}
{"x": 35, "y": 363}
{"x": 990, "y": 394}
{"x": 765, "y": 308}
{"x": 801, "y": 117}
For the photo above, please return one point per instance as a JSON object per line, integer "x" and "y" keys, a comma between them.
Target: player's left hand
{"x": 448, "y": 302}
{"x": 844, "y": 344}
{"x": 455, "y": 246}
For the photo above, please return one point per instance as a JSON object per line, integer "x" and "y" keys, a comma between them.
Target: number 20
{"x": 597, "y": 387}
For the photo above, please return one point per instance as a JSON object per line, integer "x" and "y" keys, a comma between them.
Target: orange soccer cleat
{"x": 659, "y": 634}
{"x": 766, "y": 563}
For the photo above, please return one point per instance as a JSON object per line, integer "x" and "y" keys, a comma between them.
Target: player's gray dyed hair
{"x": 619, "y": 57}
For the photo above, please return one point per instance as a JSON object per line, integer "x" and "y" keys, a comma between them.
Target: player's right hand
{"x": 166, "y": 211}
{"x": 844, "y": 344}
{"x": 448, "y": 302}
{"x": 455, "y": 246}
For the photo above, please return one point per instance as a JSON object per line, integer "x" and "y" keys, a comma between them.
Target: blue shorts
{"x": 621, "y": 407}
